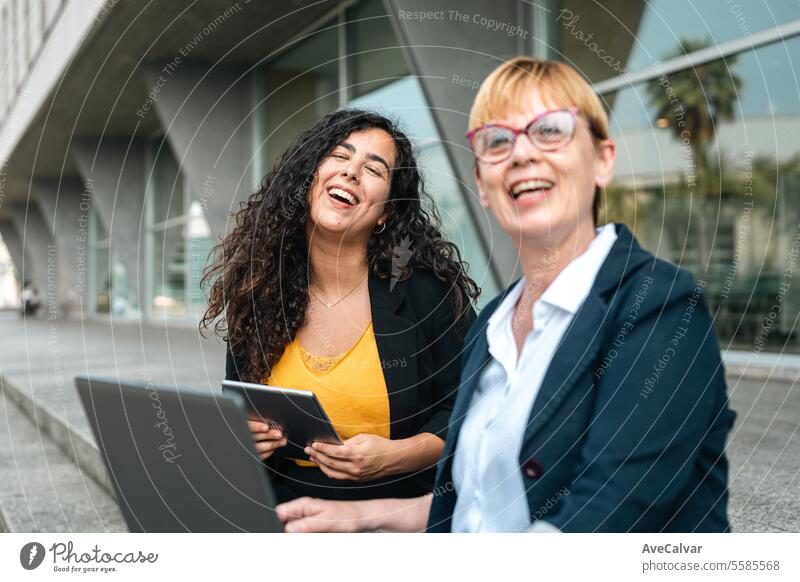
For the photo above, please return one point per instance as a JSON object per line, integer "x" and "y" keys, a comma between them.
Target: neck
{"x": 543, "y": 258}
{"x": 337, "y": 265}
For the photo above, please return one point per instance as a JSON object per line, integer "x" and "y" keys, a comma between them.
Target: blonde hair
{"x": 559, "y": 85}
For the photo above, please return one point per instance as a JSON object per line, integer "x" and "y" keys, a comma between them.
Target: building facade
{"x": 130, "y": 130}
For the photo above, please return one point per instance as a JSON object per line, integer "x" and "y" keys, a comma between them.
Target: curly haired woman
{"x": 336, "y": 280}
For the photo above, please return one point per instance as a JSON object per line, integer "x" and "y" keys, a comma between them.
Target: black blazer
{"x": 420, "y": 349}
{"x": 627, "y": 432}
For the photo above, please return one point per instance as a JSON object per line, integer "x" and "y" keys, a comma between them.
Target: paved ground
{"x": 764, "y": 449}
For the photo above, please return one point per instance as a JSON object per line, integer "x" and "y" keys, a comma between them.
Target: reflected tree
{"x": 691, "y": 103}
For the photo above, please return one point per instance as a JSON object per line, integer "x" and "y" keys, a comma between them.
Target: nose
{"x": 348, "y": 172}
{"x": 524, "y": 151}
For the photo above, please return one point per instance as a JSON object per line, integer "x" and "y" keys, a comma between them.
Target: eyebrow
{"x": 374, "y": 157}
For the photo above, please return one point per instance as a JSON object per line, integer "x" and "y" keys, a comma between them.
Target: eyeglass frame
{"x": 573, "y": 110}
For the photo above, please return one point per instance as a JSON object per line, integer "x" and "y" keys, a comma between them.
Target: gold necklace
{"x": 342, "y": 298}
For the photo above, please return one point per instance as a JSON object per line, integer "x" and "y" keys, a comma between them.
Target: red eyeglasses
{"x": 549, "y": 131}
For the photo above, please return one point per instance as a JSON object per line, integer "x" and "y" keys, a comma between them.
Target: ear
{"x": 606, "y": 157}
{"x": 484, "y": 198}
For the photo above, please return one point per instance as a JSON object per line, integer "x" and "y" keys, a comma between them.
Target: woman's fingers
{"x": 333, "y": 473}
{"x": 269, "y": 435}
{"x": 296, "y": 509}
{"x": 269, "y": 445}
{"x": 257, "y": 426}
{"x": 342, "y": 452}
{"x": 328, "y": 461}
{"x": 317, "y": 515}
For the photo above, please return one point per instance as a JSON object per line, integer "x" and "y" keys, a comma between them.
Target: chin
{"x": 533, "y": 223}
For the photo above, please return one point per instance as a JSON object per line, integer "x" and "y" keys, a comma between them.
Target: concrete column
{"x": 205, "y": 115}
{"x": 114, "y": 173}
{"x": 452, "y": 55}
{"x": 38, "y": 258}
{"x": 64, "y": 204}
{"x": 13, "y": 243}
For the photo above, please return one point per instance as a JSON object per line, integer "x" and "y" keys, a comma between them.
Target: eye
{"x": 339, "y": 156}
{"x": 374, "y": 171}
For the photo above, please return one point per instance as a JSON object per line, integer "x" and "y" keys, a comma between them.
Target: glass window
{"x": 179, "y": 240}
{"x": 708, "y": 174}
{"x": 373, "y": 57}
{"x": 604, "y": 39}
{"x": 111, "y": 288}
{"x": 302, "y": 86}
{"x": 167, "y": 195}
{"x": 9, "y": 286}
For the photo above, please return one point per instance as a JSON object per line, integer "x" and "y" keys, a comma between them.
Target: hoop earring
{"x": 383, "y": 227}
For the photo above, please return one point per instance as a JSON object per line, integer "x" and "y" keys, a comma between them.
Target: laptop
{"x": 179, "y": 459}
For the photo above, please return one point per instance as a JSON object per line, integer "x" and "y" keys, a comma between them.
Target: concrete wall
{"x": 452, "y": 54}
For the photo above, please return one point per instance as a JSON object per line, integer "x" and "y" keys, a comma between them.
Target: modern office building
{"x": 129, "y": 130}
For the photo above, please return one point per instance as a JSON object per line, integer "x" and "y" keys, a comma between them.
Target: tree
{"x": 692, "y": 102}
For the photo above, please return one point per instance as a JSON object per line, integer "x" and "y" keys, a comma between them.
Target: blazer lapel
{"x": 476, "y": 356}
{"x": 470, "y": 375}
{"x": 396, "y": 339}
{"x": 575, "y": 354}
{"x": 585, "y": 335}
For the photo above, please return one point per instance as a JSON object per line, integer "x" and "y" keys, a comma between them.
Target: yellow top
{"x": 350, "y": 386}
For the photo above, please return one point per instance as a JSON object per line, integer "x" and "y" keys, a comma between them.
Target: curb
{"x": 75, "y": 445}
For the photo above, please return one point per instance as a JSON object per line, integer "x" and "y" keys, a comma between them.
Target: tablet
{"x": 297, "y": 413}
{"x": 179, "y": 459}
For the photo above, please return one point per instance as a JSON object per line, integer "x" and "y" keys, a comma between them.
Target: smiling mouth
{"x": 342, "y": 196}
{"x": 529, "y": 187}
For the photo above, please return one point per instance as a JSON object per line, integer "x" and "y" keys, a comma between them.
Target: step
{"x": 43, "y": 490}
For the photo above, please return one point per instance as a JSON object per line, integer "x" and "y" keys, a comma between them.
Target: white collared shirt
{"x": 486, "y": 471}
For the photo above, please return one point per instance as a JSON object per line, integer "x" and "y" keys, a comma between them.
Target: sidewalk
{"x": 38, "y": 365}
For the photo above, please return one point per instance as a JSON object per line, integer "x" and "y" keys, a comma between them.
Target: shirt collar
{"x": 569, "y": 290}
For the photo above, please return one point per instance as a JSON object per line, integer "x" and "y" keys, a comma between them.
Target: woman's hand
{"x": 318, "y": 515}
{"x": 267, "y": 440}
{"x": 361, "y": 458}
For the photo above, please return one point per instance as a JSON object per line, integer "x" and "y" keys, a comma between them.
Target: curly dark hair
{"x": 259, "y": 276}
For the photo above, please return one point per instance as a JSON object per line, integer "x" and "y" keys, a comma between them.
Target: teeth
{"x": 342, "y": 194}
{"x": 531, "y": 185}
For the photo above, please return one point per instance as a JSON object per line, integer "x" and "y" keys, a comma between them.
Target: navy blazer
{"x": 627, "y": 432}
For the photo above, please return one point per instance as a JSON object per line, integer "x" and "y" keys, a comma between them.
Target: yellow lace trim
{"x": 320, "y": 364}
